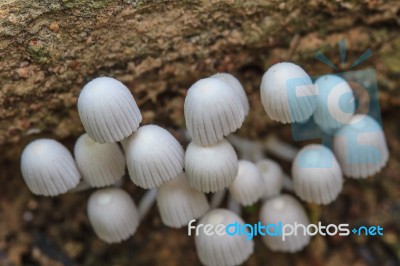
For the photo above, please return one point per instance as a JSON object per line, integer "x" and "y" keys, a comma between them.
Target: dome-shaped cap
{"x": 212, "y": 110}
{"x": 100, "y": 164}
{"x": 153, "y": 156}
{"x": 113, "y": 214}
{"x": 361, "y": 147}
{"x": 48, "y": 168}
{"x": 178, "y": 203}
{"x": 237, "y": 87}
{"x": 335, "y": 103}
{"x": 287, "y": 93}
{"x": 108, "y": 110}
{"x": 272, "y": 175}
{"x": 248, "y": 186}
{"x": 287, "y": 210}
{"x": 211, "y": 168}
{"x": 317, "y": 176}
{"x": 222, "y": 249}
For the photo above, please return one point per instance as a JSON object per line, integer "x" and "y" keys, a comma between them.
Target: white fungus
{"x": 108, "y": 110}
{"x": 248, "y": 186}
{"x": 272, "y": 175}
{"x": 100, "y": 164}
{"x": 113, "y": 214}
{"x": 335, "y": 103}
{"x": 211, "y": 168}
{"x": 48, "y": 168}
{"x": 153, "y": 156}
{"x": 221, "y": 249}
{"x": 287, "y": 210}
{"x": 287, "y": 93}
{"x": 317, "y": 176}
{"x": 237, "y": 87}
{"x": 212, "y": 110}
{"x": 361, "y": 147}
{"x": 178, "y": 203}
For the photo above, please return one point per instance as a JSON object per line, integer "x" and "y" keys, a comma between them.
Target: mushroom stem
{"x": 234, "y": 206}
{"x": 217, "y": 198}
{"x": 279, "y": 148}
{"x": 146, "y": 203}
{"x": 288, "y": 183}
{"x": 247, "y": 149}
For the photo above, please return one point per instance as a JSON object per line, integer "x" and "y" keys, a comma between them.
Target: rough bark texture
{"x": 49, "y": 49}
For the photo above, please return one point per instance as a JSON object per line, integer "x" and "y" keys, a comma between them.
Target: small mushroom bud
{"x": 48, "y": 168}
{"x": 211, "y": 168}
{"x": 237, "y": 87}
{"x": 100, "y": 164}
{"x": 212, "y": 110}
{"x": 113, "y": 214}
{"x": 220, "y": 248}
{"x": 272, "y": 175}
{"x": 335, "y": 103}
{"x": 153, "y": 156}
{"x": 248, "y": 186}
{"x": 361, "y": 147}
{"x": 317, "y": 176}
{"x": 108, "y": 110}
{"x": 287, "y": 93}
{"x": 179, "y": 203}
{"x": 287, "y": 210}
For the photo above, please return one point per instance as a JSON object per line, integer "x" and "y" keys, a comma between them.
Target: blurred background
{"x": 50, "y": 49}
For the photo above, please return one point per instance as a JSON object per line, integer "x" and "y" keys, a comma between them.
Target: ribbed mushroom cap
{"x": 248, "y": 186}
{"x": 237, "y": 87}
{"x": 335, "y": 103}
{"x": 288, "y": 210}
{"x": 287, "y": 93}
{"x": 317, "y": 176}
{"x": 48, "y": 168}
{"x": 222, "y": 249}
{"x": 108, "y": 110}
{"x": 178, "y": 203}
{"x": 100, "y": 164}
{"x": 212, "y": 110}
{"x": 113, "y": 214}
{"x": 361, "y": 147}
{"x": 272, "y": 175}
{"x": 211, "y": 168}
{"x": 153, "y": 156}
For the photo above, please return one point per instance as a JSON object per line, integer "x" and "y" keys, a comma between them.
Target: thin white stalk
{"x": 234, "y": 206}
{"x": 279, "y": 148}
{"x": 217, "y": 198}
{"x": 288, "y": 183}
{"x": 82, "y": 186}
{"x": 146, "y": 203}
{"x": 247, "y": 149}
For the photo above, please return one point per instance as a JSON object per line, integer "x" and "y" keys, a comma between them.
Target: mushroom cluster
{"x": 177, "y": 180}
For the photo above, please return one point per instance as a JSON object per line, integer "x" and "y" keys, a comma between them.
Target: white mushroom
{"x": 272, "y": 175}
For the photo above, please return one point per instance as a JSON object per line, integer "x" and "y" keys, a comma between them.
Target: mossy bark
{"x": 50, "y": 49}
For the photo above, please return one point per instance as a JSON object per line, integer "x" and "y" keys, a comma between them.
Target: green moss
{"x": 96, "y": 4}
{"x": 38, "y": 52}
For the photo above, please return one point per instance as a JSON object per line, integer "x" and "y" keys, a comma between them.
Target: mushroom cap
{"x": 288, "y": 210}
{"x": 317, "y": 176}
{"x": 113, "y": 214}
{"x": 178, "y": 203}
{"x": 100, "y": 164}
{"x": 48, "y": 168}
{"x": 361, "y": 147}
{"x": 222, "y": 249}
{"x": 272, "y": 175}
{"x": 237, "y": 87}
{"x": 211, "y": 168}
{"x": 108, "y": 110}
{"x": 212, "y": 110}
{"x": 153, "y": 156}
{"x": 287, "y": 93}
{"x": 335, "y": 103}
{"x": 248, "y": 186}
